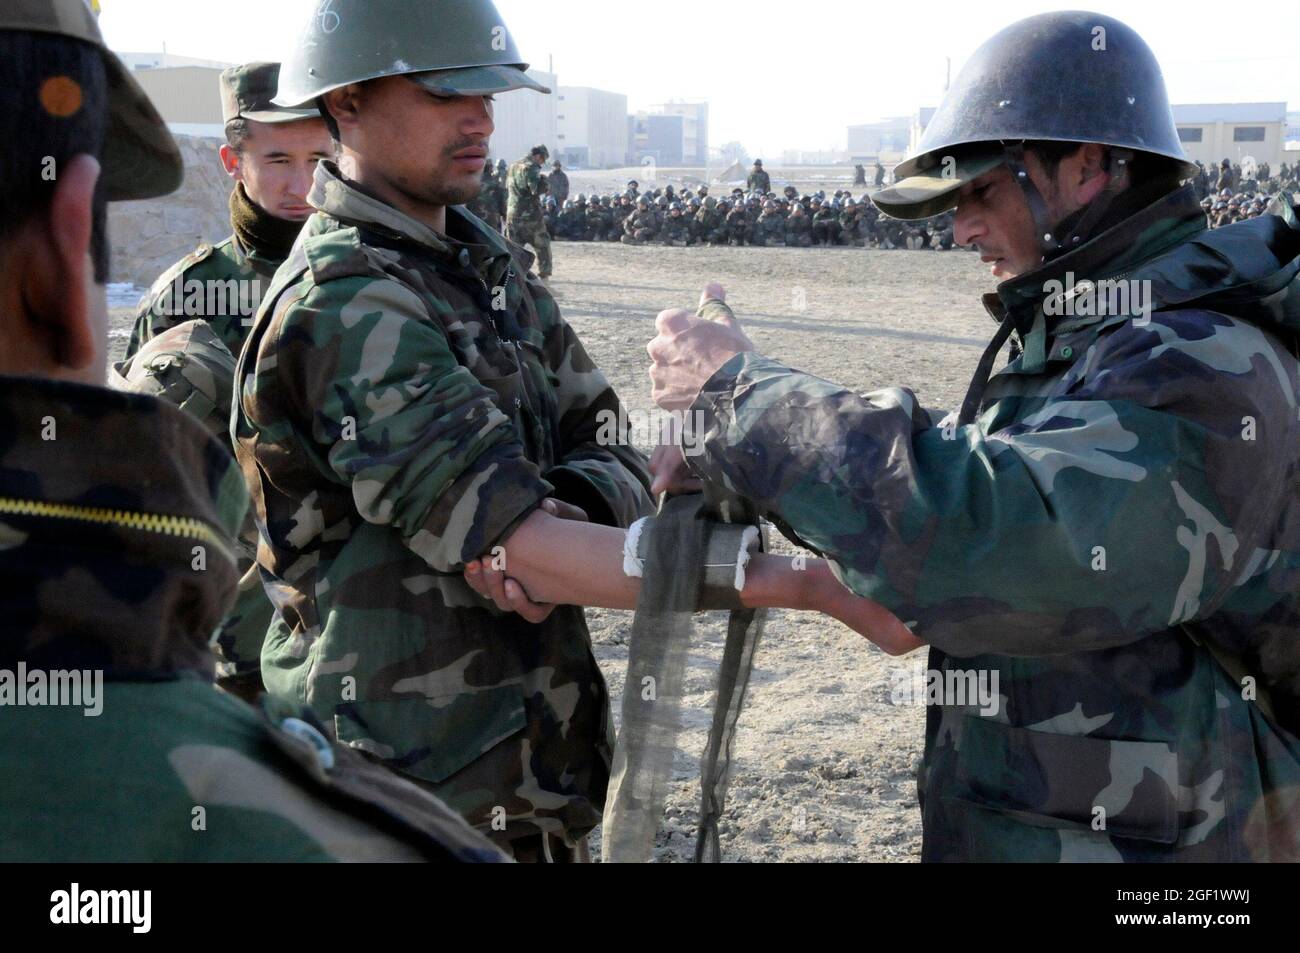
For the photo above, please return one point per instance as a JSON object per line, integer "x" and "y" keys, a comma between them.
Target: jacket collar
{"x": 468, "y": 242}
{"x": 1153, "y": 229}
{"x": 117, "y": 519}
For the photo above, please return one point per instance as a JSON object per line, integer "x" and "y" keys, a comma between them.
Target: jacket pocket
{"x": 433, "y": 738}
{"x": 1124, "y": 788}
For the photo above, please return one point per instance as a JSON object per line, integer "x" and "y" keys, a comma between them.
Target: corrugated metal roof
{"x": 1229, "y": 112}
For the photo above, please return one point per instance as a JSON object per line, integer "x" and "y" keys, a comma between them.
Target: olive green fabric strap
{"x": 688, "y": 560}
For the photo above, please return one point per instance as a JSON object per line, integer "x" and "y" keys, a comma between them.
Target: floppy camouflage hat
{"x": 140, "y": 159}
{"x": 451, "y": 47}
{"x": 247, "y": 91}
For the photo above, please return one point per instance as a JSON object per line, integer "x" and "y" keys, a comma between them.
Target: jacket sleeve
{"x": 392, "y": 414}
{"x": 597, "y": 466}
{"x": 1121, "y": 507}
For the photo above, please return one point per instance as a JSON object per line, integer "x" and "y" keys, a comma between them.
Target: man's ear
{"x": 61, "y": 275}
{"x": 230, "y": 160}
{"x": 344, "y": 104}
{"x": 1090, "y": 176}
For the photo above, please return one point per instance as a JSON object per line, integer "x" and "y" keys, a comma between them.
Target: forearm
{"x": 575, "y": 563}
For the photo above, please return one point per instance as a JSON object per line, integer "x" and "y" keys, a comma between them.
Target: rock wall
{"x": 148, "y": 237}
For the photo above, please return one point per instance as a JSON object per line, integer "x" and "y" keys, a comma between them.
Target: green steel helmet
{"x": 1111, "y": 91}
{"x": 460, "y": 48}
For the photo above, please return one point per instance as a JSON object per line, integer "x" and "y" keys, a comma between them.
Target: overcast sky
{"x": 777, "y": 75}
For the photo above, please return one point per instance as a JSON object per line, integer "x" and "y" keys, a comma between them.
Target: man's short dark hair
{"x": 35, "y": 144}
{"x": 1144, "y": 168}
{"x": 237, "y": 132}
{"x": 330, "y": 122}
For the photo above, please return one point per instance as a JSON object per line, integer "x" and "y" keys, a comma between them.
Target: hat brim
{"x": 933, "y": 191}
{"x": 141, "y": 158}
{"x": 277, "y": 117}
{"x": 477, "y": 81}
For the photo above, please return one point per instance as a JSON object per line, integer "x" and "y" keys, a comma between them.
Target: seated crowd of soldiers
{"x": 1229, "y": 193}
{"x": 691, "y": 216}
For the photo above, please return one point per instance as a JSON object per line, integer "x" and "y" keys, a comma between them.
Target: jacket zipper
{"x": 155, "y": 523}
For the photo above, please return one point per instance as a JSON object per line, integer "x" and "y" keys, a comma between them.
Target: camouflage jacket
{"x": 223, "y": 284}
{"x": 405, "y": 400}
{"x": 1115, "y": 538}
{"x": 558, "y": 182}
{"x": 759, "y": 181}
{"x": 526, "y": 185}
{"x": 116, "y": 512}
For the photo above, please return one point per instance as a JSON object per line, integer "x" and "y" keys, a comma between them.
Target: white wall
{"x": 595, "y": 119}
{"x": 525, "y": 119}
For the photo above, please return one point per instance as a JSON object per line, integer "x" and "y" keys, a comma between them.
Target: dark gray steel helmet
{"x": 461, "y": 47}
{"x": 1070, "y": 76}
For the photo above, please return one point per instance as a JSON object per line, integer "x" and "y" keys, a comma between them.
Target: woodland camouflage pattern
{"x": 525, "y": 224}
{"x": 405, "y": 400}
{"x": 1125, "y": 509}
{"x": 215, "y": 266}
{"x": 83, "y": 587}
{"x": 189, "y": 366}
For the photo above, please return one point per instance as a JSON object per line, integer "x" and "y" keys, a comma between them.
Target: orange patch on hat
{"x": 61, "y": 96}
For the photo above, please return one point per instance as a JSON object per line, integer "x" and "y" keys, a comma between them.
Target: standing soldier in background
{"x": 759, "y": 181}
{"x": 270, "y": 153}
{"x": 409, "y": 395}
{"x": 859, "y": 174}
{"x": 558, "y": 182}
{"x": 880, "y": 174}
{"x": 488, "y": 204}
{"x": 120, "y": 495}
{"x": 524, "y": 220}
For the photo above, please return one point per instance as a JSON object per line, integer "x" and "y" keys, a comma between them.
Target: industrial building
{"x": 591, "y": 127}
{"x": 1209, "y": 132}
{"x": 1212, "y": 132}
{"x": 672, "y": 134}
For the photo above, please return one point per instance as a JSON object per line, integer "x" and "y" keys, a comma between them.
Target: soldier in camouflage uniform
{"x": 758, "y": 181}
{"x": 851, "y": 224}
{"x": 558, "y": 182}
{"x": 826, "y": 225}
{"x": 524, "y": 225}
{"x": 712, "y": 222}
{"x": 621, "y": 211}
{"x": 408, "y": 396}
{"x": 798, "y": 228}
{"x": 737, "y": 225}
{"x": 491, "y": 199}
{"x": 770, "y": 227}
{"x": 570, "y": 224}
{"x": 642, "y": 225}
{"x": 1110, "y": 526}
{"x": 117, "y": 513}
{"x": 676, "y": 230}
{"x": 599, "y": 220}
{"x": 270, "y": 154}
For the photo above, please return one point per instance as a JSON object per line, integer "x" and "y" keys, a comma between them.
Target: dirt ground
{"x": 824, "y": 763}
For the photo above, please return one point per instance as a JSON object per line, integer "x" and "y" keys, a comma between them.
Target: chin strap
{"x": 1117, "y": 160}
